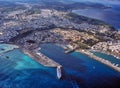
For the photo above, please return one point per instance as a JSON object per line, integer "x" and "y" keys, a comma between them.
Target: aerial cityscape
{"x": 59, "y": 44}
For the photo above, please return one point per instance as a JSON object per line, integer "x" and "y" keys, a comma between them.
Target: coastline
{"x": 5, "y": 48}
{"x": 108, "y": 53}
{"x": 44, "y": 60}
{"x": 91, "y": 55}
{"x": 34, "y": 54}
{"x": 41, "y": 58}
{"x": 106, "y": 62}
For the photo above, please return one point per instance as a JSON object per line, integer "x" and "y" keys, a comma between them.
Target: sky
{"x": 105, "y": 2}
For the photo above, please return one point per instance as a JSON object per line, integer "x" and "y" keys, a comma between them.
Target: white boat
{"x": 59, "y": 72}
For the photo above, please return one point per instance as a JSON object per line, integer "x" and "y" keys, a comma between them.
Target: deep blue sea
{"x": 109, "y": 15}
{"x": 79, "y": 71}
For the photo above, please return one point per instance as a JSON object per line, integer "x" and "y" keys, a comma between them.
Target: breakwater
{"x": 44, "y": 60}
{"x": 41, "y": 58}
{"x": 106, "y": 62}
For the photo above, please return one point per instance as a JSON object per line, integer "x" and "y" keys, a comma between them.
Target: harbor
{"x": 79, "y": 67}
{"x": 21, "y": 69}
{"x": 39, "y": 57}
{"x": 45, "y": 61}
{"x": 54, "y": 44}
{"x": 106, "y": 62}
{"x": 67, "y": 69}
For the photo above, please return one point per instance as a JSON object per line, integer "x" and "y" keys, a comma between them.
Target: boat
{"x": 69, "y": 51}
{"x": 59, "y": 72}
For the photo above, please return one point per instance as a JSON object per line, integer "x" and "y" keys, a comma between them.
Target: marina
{"x": 77, "y": 66}
{"x": 22, "y": 67}
{"x": 45, "y": 61}
{"x": 102, "y": 60}
{"x": 114, "y": 60}
{"x": 41, "y": 58}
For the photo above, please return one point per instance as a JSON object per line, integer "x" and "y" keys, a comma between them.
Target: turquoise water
{"x": 17, "y": 70}
{"x": 21, "y": 71}
{"x": 6, "y": 47}
{"x": 110, "y": 58}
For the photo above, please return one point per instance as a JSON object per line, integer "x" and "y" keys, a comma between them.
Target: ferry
{"x": 59, "y": 72}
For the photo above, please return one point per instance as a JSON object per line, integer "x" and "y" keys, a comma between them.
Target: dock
{"x": 41, "y": 58}
{"x": 34, "y": 54}
{"x": 69, "y": 51}
{"x": 106, "y": 62}
{"x": 44, "y": 60}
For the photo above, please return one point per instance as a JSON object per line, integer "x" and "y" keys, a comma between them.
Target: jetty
{"x": 41, "y": 58}
{"x": 44, "y": 60}
{"x": 69, "y": 51}
{"x": 35, "y": 54}
{"x": 106, "y": 62}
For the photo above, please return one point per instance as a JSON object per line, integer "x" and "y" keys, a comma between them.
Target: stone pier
{"x": 41, "y": 58}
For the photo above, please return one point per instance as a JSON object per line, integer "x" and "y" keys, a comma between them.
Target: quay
{"x": 44, "y": 60}
{"x": 35, "y": 54}
{"x": 106, "y": 62}
{"x": 69, "y": 51}
{"x": 41, "y": 58}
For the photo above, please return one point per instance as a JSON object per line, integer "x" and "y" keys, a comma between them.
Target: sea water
{"x": 21, "y": 71}
{"x": 84, "y": 72}
{"x": 110, "y": 58}
{"x": 79, "y": 71}
{"x": 109, "y": 15}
